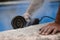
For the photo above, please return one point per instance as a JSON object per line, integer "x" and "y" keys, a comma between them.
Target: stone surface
{"x": 27, "y": 33}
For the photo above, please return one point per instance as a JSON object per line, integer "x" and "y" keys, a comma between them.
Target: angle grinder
{"x": 20, "y": 22}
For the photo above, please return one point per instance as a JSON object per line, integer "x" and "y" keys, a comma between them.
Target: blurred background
{"x": 11, "y": 8}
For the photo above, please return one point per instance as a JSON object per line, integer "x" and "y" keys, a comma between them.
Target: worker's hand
{"x": 27, "y": 16}
{"x": 51, "y": 28}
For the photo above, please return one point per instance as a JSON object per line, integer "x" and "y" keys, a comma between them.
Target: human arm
{"x": 52, "y": 28}
{"x": 35, "y": 4}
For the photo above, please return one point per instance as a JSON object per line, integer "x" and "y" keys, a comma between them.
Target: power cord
{"x": 45, "y": 17}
